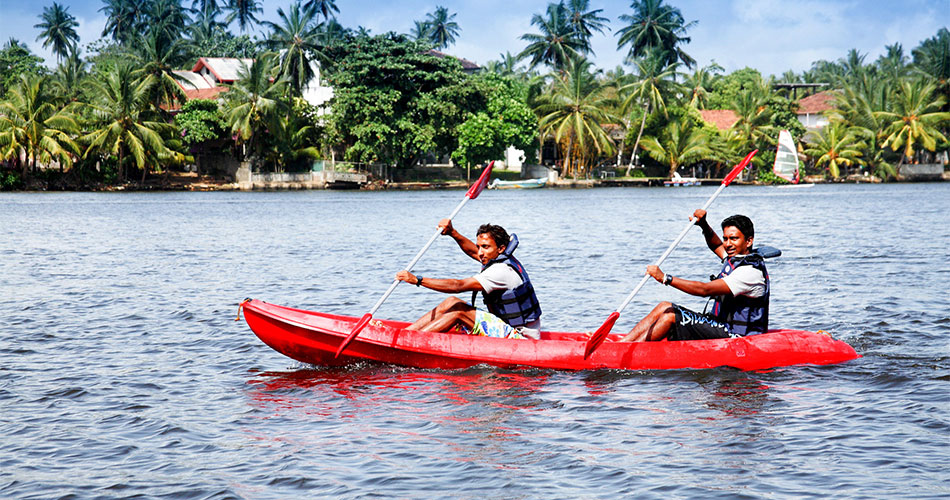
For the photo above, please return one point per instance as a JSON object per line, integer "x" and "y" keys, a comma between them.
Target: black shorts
{"x": 691, "y": 325}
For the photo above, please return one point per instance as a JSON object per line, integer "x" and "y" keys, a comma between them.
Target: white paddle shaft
{"x": 669, "y": 250}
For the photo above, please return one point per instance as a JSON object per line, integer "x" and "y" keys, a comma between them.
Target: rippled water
{"x": 124, "y": 375}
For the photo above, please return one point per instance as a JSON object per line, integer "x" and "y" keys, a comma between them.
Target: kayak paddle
{"x": 598, "y": 336}
{"x": 471, "y": 194}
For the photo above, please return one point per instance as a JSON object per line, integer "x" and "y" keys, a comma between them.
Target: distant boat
{"x": 679, "y": 180}
{"x": 522, "y": 184}
{"x": 786, "y": 161}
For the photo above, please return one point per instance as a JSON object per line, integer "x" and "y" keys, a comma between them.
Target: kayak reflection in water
{"x": 741, "y": 291}
{"x": 511, "y": 306}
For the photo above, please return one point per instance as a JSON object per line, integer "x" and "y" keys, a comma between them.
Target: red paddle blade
{"x": 356, "y": 330}
{"x": 598, "y": 337}
{"x": 738, "y": 168}
{"x": 480, "y": 184}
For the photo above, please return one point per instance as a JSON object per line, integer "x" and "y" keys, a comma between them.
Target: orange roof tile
{"x": 816, "y": 103}
{"x": 723, "y": 119}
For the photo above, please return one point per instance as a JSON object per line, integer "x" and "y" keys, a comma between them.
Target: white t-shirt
{"x": 502, "y": 277}
{"x": 746, "y": 280}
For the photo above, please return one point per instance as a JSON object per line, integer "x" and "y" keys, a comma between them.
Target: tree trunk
{"x": 633, "y": 153}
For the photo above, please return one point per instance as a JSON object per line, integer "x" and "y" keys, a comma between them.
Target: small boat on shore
{"x": 678, "y": 180}
{"x": 313, "y": 337}
{"x": 520, "y": 184}
{"x": 786, "y": 162}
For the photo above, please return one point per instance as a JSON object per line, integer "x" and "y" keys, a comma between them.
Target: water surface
{"x": 124, "y": 375}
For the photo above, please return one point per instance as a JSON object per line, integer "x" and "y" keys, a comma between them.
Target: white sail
{"x": 786, "y": 158}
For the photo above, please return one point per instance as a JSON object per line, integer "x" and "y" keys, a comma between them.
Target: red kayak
{"x": 313, "y": 337}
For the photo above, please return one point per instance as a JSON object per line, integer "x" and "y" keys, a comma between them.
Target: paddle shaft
{"x": 669, "y": 250}
{"x": 417, "y": 257}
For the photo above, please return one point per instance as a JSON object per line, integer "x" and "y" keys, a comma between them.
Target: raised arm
{"x": 467, "y": 245}
{"x": 712, "y": 239}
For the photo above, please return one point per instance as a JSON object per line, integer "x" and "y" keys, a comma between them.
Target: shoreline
{"x": 181, "y": 183}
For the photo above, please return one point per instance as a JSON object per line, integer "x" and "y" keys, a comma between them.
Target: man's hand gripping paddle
{"x": 471, "y": 194}
{"x": 598, "y": 336}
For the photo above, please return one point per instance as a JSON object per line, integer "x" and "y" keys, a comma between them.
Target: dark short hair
{"x": 497, "y": 233}
{"x": 740, "y": 222}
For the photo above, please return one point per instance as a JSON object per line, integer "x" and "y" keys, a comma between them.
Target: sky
{"x": 772, "y": 36}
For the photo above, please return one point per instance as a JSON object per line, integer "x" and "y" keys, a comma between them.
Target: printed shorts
{"x": 489, "y": 325}
{"x": 691, "y": 325}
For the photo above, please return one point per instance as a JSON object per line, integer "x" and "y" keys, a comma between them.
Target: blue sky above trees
{"x": 769, "y": 35}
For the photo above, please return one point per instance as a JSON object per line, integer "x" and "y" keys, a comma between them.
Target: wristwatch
{"x": 418, "y": 280}
{"x": 667, "y": 279}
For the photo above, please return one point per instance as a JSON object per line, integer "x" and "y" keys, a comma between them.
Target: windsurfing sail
{"x": 786, "y": 158}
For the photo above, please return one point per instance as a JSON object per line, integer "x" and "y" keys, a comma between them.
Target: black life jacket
{"x": 517, "y": 306}
{"x": 744, "y": 315}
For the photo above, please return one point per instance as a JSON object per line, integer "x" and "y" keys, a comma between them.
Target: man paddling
{"x": 741, "y": 290}
{"x": 512, "y": 307}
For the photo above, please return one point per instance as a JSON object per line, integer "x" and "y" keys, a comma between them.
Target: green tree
{"x": 655, "y": 26}
{"x": 34, "y": 125}
{"x": 556, "y": 44}
{"x": 393, "y": 102}
{"x": 932, "y": 60}
{"x": 125, "y": 19}
{"x": 506, "y": 121}
{"x": 700, "y": 82}
{"x": 16, "y": 60}
{"x": 252, "y": 100}
{"x": 325, "y": 8}
{"x": 651, "y": 84}
{"x": 293, "y": 139}
{"x": 574, "y": 112}
{"x": 679, "y": 144}
{"x": 156, "y": 57}
{"x": 834, "y": 147}
{"x": 442, "y": 29}
{"x": 585, "y": 21}
{"x": 124, "y": 127}
{"x": 200, "y": 120}
{"x": 58, "y": 30}
{"x": 298, "y": 39}
{"x": 244, "y": 11}
{"x": 914, "y": 119}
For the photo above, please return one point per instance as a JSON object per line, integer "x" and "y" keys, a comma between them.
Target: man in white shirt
{"x": 512, "y": 306}
{"x": 742, "y": 291}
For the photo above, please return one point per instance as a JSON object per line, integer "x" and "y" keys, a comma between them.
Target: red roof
{"x": 817, "y": 103}
{"x": 723, "y": 119}
{"x": 211, "y": 93}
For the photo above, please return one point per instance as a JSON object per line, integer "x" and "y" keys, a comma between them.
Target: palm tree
{"x": 156, "y": 58}
{"x": 326, "y": 8}
{"x": 650, "y": 84}
{"x": 557, "y": 43}
{"x": 121, "y": 107}
{"x": 124, "y": 19}
{"x": 893, "y": 64}
{"x": 245, "y": 11}
{"x": 58, "y": 30}
{"x": 420, "y": 31}
{"x": 298, "y": 39}
{"x": 585, "y": 21}
{"x": 679, "y": 144}
{"x": 932, "y": 60}
{"x": 34, "y": 125}
{"x": 855, "y": 106}
{"x": 574, "y": 112}
{"x": 914, "y": 118}
{"x": 655, "y": 26}
{"x": 834, "y": 146}
{"x": 167, "y": 18}
{"x": 292, "y": 140}
{"x": 252, "y": 100}
{"x": 754, "y": 126}
{"x": 699, "y": 82}
{"x": 442, "y": 29}
{"x": 67, "y": 81}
